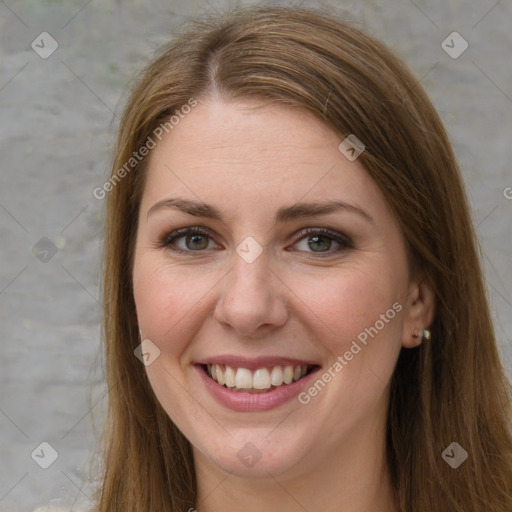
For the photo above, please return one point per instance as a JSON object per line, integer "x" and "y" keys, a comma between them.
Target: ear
{"x": 419, "y": 312}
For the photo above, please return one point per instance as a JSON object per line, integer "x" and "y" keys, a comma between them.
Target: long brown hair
{"x": 450, "y": 389}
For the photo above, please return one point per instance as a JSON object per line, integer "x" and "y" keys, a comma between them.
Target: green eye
{"x": 187, "y": 240}
{"x": 196, "y": 242}
{"x": 322, "y": 242}
{"x": 319, "y": 243}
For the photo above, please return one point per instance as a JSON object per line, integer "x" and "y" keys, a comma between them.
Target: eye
{"x": 318, "y": 241}
{"x": 191, "y": 239}
{"x": 322, "y": 241}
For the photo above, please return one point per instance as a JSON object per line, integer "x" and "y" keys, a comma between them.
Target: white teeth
{"x": 276, "y": 376}
{"x": 243, "y": 379}
{"x": 260, "y": 379}
{"x": 229, "y": 377}
{"x": 220, "y": 375}
{"x": 288, "y": 374}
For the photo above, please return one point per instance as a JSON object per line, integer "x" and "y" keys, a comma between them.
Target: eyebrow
{"x": 296, "y": 211}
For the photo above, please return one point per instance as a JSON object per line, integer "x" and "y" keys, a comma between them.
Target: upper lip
{"x": 255, "y": 362}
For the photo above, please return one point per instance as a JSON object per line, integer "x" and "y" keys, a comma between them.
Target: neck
{"x": 352, "y": 478}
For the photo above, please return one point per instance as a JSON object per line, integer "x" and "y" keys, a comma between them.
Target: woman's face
{"x": 288, "y": 274}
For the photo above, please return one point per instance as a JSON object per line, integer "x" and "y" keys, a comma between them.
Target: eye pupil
{"x": 200, "y": 240}
{"x": 319, "y": 242}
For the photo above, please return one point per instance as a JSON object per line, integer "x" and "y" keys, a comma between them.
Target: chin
{"x": 251, "y": 456}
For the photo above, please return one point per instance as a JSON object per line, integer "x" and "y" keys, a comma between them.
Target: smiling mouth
{"x": 261, "y": 380}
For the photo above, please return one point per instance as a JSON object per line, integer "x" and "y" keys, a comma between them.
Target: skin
{"x": 326, "y": 455}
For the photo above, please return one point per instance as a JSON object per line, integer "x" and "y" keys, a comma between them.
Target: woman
{"x": 289, "y": 254}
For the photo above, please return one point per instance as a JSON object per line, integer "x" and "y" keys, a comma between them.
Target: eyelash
{"x": 168, "y": 240}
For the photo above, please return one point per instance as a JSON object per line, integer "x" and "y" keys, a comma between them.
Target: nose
{"x": 253, "y": 299}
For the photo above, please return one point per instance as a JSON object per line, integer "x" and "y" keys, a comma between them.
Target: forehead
{"x": 245, "y": 154}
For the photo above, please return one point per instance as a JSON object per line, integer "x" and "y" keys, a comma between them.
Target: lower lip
{"x": 254, "y": 402}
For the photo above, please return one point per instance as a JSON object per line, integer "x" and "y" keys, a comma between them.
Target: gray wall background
{"x": 58, "y": 121}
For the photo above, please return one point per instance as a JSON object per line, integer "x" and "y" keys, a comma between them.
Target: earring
{"x": 425, "y": 334}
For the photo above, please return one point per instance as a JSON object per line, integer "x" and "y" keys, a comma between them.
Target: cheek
{"x": 169, "y": 304}
{"x": 349, "y": 300}
{"x": 166, "y": 299}
{"x": 358, "y": 317}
